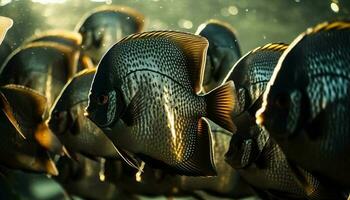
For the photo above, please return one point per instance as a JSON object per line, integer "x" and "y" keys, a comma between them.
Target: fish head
{"x": 107, "y": 25}
{"x": 105, "y": 99}
{"x": 222, "y": 53}
{"x": 285, "y": 97}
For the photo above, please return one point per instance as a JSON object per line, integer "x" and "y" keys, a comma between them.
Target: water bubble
{"x": 335, "y": 7}
{"x": 233, "y": 10}
{"x": 184, "y": 23}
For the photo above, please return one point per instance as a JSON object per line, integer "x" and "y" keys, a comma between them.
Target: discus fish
{"x": 105, "y": 26}
{"x": 144, "y": 97}
{"x": 223, "y": 51}
{"x": 5, "y": 24}
{"x": 306, "y": 107}
{"x": 22, "y": 127}
{"x": 69, "y": 124}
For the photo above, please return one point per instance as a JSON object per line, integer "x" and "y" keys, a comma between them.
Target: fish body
{"x": 306, "y": 105}
{"x": 253, "y": 153}
{"x": 68, "y": 122}
{"x": 144, "y": 98}
{"x": 106, "y": 25}
{"x": 22, "y": 129}
{"x": 223, "y": 51}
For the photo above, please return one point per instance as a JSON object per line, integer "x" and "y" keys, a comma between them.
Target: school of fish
{"x": 134, "y": 113}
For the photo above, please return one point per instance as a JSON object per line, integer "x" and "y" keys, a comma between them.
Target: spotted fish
{"x": 255, "y": 156}
{"x": 306, "y": 107}
{"x": 144, "y": 97}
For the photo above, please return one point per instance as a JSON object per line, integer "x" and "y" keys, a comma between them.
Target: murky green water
{"x": 257, "y": 22}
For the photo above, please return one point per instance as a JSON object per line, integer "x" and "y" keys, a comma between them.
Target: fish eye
{"x": 57, "y": 115}
{"x": 282, "y": 101}
{"x": 102, "y": 99}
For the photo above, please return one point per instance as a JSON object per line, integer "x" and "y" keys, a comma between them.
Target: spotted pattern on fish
{"x": 316, "y": 65}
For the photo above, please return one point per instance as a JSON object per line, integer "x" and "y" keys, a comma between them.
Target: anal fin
{"x": 201, "y": 163}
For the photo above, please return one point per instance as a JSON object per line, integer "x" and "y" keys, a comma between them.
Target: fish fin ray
{"x": 193, "y": 46}
{"x": 201, "y": 162}
{"x": 7, "y": 110}
{"x": 129, "y": 159}
{"x": 221, "y": 103}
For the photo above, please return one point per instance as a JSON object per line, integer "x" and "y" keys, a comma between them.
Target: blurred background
{"x": 256, "y": 23}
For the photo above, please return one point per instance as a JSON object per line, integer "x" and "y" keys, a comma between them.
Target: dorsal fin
{"x": 74, "y": 37}
{"x": 194, "y": 47}
{"x": 29, "y": 94}
{"x": 5, "y": 24}
{"x": 272, "y": 46}
{"x": 327, "y": 26}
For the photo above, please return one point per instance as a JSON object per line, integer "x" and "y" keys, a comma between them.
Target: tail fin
{"x": 221, "y": 103}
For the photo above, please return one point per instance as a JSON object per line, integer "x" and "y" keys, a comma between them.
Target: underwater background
{"x": 256, "y": 22}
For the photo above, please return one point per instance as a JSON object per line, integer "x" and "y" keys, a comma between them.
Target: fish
{"x": 305, "y": 104}
{"x": 68, "y": 123}
{"x": 144, "y": 97}
{"x": 25, "y": 139}
{"x": 79, "y": 60}
{"x": 252, "y": 73}
{"x": 42, "y": 66}
{"x": 223, "y": 52}
{"x": 253, "y": 153}
{"x": 29, "y": 67}
{"x": 104, "y": 26}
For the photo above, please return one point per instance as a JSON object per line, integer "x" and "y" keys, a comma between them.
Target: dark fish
{"x": 223, "y": 51}
{"x": 252, "y": 73}
{"x": 68, "y": 122}
{"x": 22, "y": 127}
{"x": 306, "y": 105}
{"x": 45, "y": 68}
{"x": 42, "y": 66}
{"x": 73, "y": 40}
{"x": 256, "y": 157}
{"x": 144, "y": 97}
{"x": 105, "y": 26}
{"x": 82, "y": 178}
